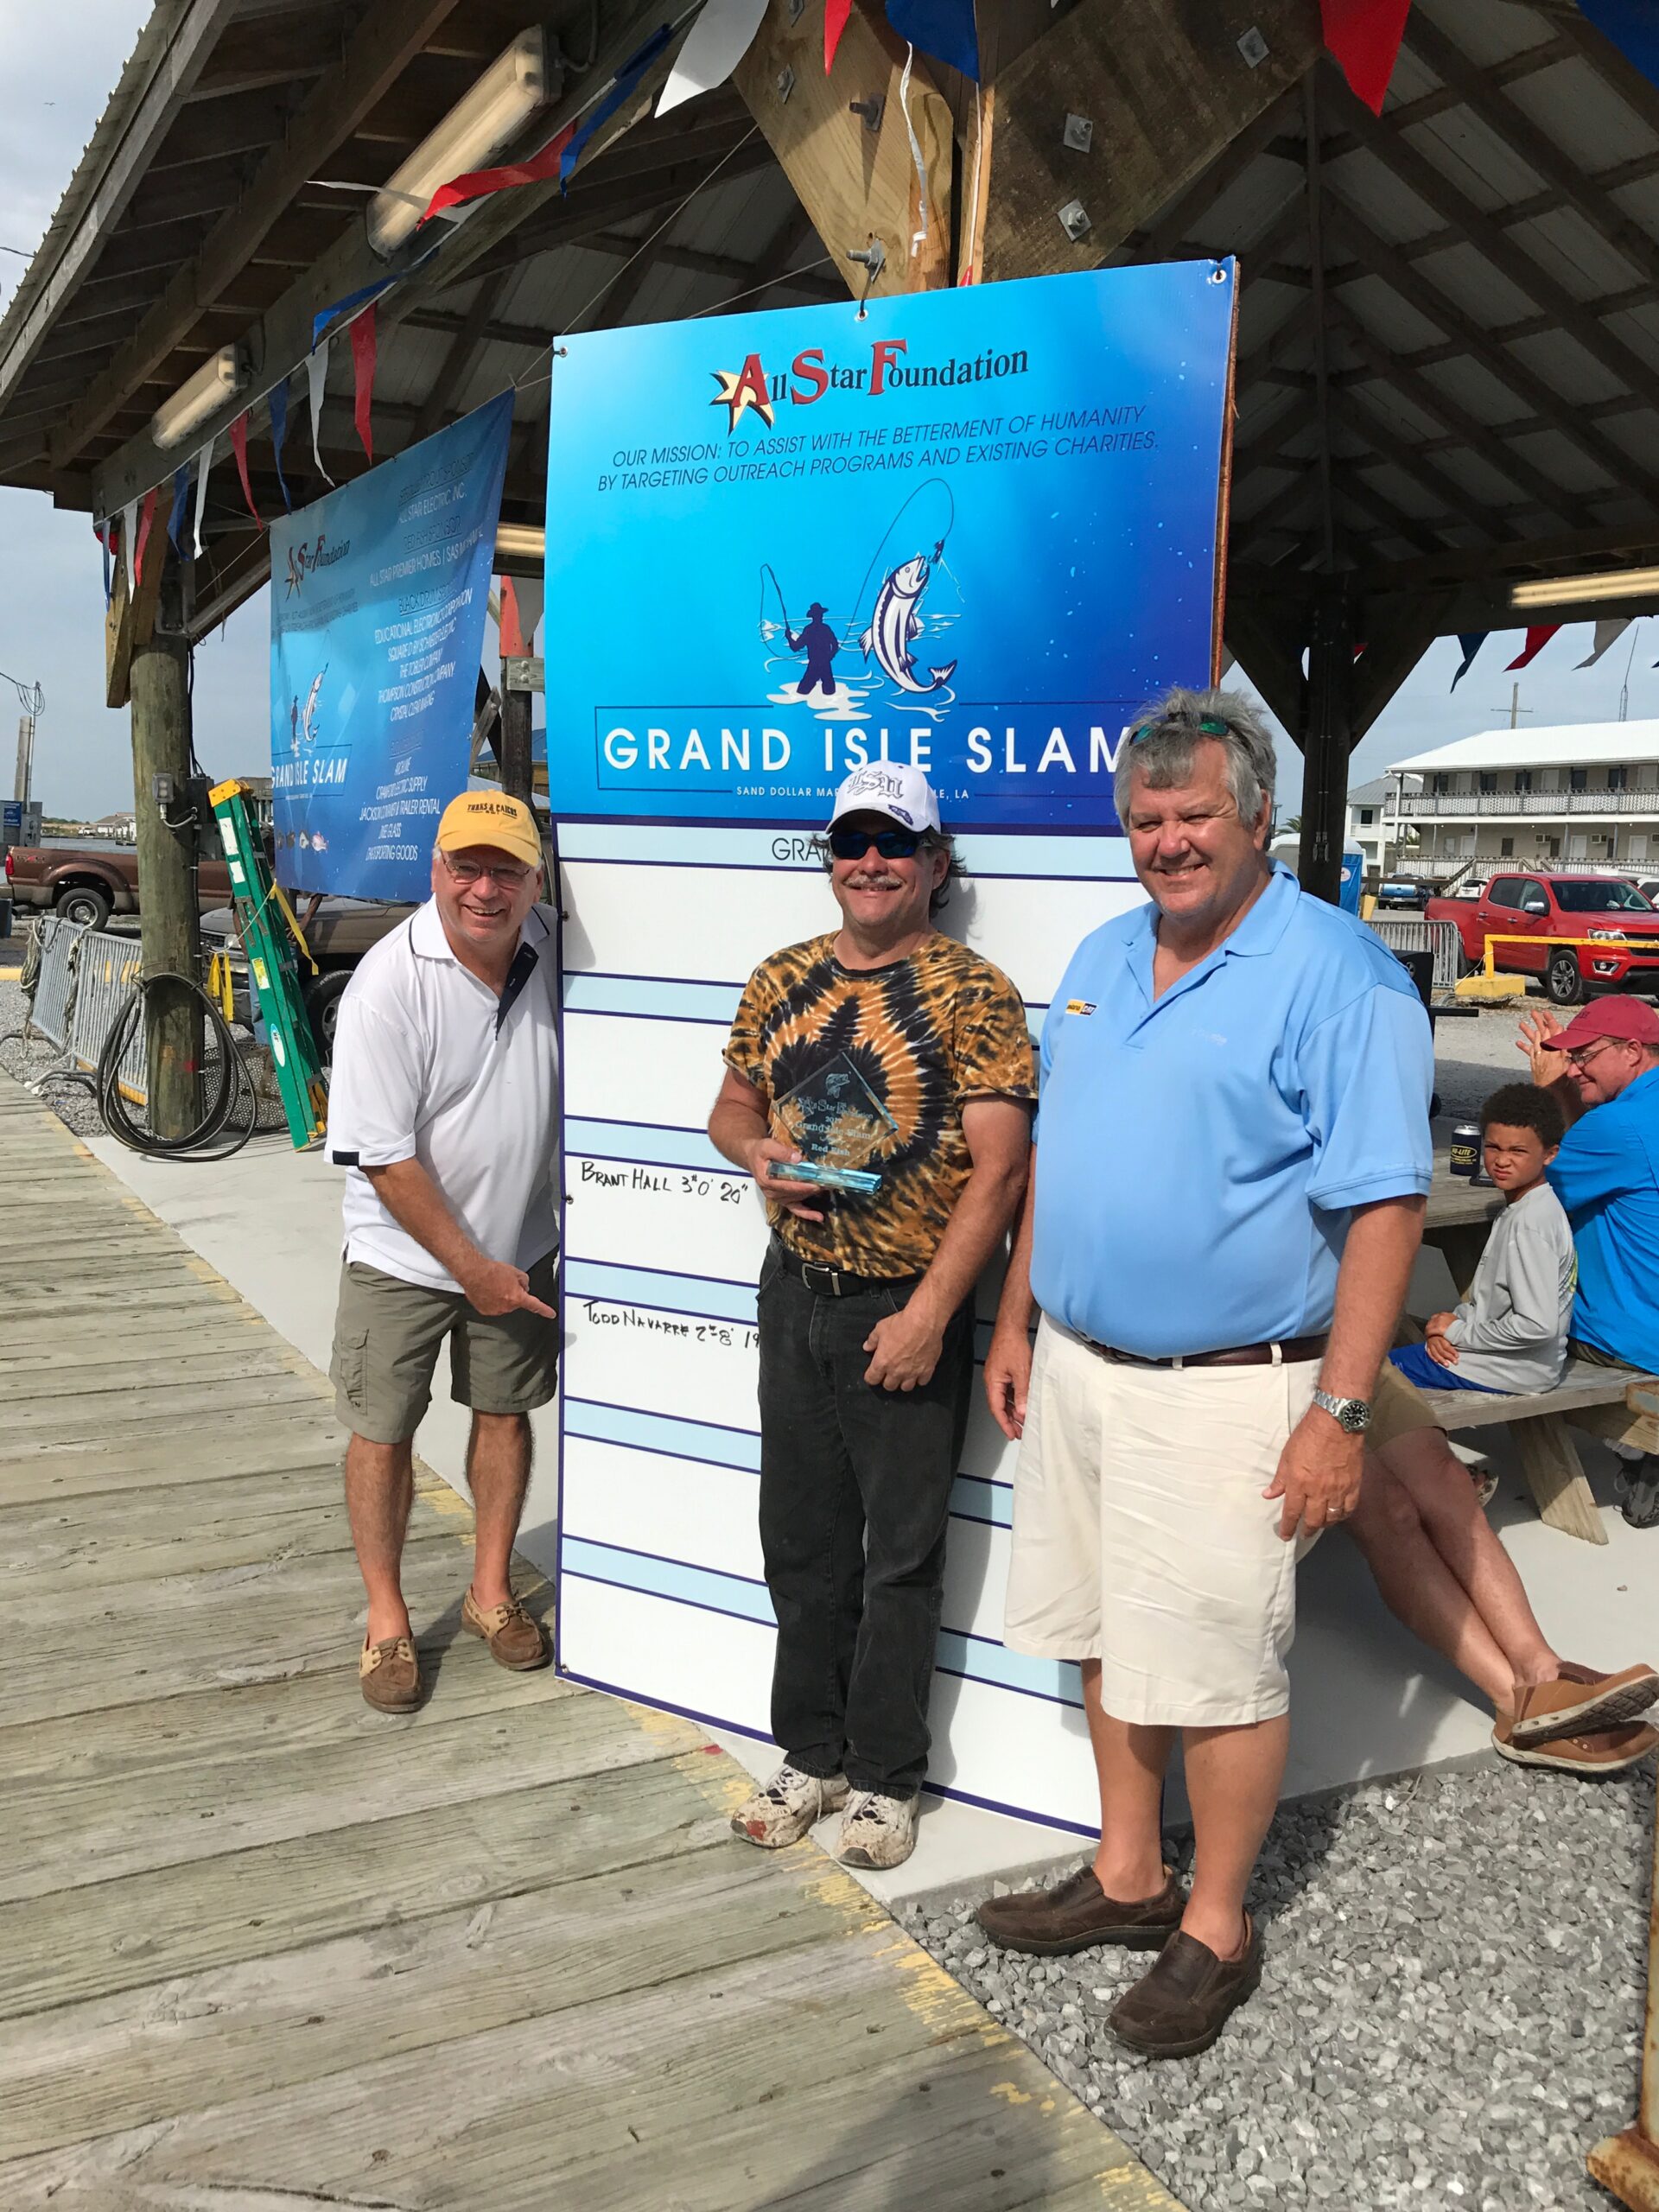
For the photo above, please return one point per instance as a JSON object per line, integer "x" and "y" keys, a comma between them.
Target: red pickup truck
{"x": 1622, "y": 928}
{"x": 90, "y": 886}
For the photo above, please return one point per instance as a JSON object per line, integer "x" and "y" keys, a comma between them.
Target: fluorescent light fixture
{"x": 219, "y": 378}
{"x": 475, "y": 129}
{"x": 520, "y": 541}
{"x": 1579, "y": 591}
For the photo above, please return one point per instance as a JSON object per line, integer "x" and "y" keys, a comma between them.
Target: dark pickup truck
{"x": 90, "y": 886}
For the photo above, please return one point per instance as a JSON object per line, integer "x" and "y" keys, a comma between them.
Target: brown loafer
{"x": 1606, "y": 1751}
{"x": 1580, "y": 1701}
{"x": 1076, "y": 1914}
{"x": 389, "y": 1674}
{"x": 515, "y": 1640}
{"x": 1182, "y": 2003}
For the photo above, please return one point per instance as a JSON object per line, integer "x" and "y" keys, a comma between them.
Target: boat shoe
{"x": 1580, "y": 1701}
{"x": 389, "y": 1674}
{"x": 1076, "y": 1914}
{"x": 516, "y": 1640}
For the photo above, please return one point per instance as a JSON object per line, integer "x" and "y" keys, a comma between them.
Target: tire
{"x": 1563, "y": 984}
{"x": 85, "y": 903}
{"x": 322, "y": 997}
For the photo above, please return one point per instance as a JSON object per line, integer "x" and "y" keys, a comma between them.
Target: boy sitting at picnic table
{"x": 1420, "y": 1523}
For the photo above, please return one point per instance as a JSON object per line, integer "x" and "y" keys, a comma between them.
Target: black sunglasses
{"x": 1208, "y": 725}
{"x": 892, "y": 845}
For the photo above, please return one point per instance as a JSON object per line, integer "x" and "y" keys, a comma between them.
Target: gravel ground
{"x": 1451, "y": 2014}
{"x": 73, "y": 1104}
{"x": 1473, "y": 1053}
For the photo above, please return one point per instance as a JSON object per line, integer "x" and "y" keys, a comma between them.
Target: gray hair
{"x": 933, "y": 840}
{"x": 1161, "y": 745}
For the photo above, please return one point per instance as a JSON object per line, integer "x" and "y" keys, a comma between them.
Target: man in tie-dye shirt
{"x": 888, "y": 1048}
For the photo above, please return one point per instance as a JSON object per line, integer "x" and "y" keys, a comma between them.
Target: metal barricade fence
{"x": 1406, "y": 933}
{"x": 107, "y": 969}
{"x": 50, "y": 1015}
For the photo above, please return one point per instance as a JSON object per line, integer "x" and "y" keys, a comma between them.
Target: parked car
{"x": 337, "y": 932}
{"x": 1540, "y": 912}
{"x": 1401, "y": 890}
{"x": 90, "y": 886}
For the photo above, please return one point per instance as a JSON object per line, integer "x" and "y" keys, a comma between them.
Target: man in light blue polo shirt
{"x": 1232, "y": 1155}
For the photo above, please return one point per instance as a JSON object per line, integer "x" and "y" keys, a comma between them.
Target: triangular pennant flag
{"x": 711, "y": 50}
{"x": 529, "y": 592}
{"x": 1607, "y": 633}
{"x": 240, "y": 448}
{"x": 943, "y": 28}
{"x": 512, "y": 635}
{"x": 354, "y": 301}
{"x": 175, "y": 513}
{"x": 101, "y": 531}
{"x": 278, "y": 432}
{"x": 477, "y": 184}
{"x": 204, "y": 465}
{"x": 1538, "y": 636}
{"x": 1633, "y": 28}
{"x": 129, "y": 535}
{"x": 1364, "y": 36}
{"x": 146, "y": 521}
{"x": 316, "y": 376}
{"x": 621, "y": 85}
{"x": 363, "y": 356}
{"x": 835, "y": 13}
{"x": 1471, "y": 641}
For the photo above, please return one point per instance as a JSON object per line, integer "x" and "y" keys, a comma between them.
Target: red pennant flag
{"x": 362, "y": 357}
{"x": 240, "y": 448}
{"x": 479, "y": 184}
{"x": 1364, "y": 36}
{"x": 1538, "y": 636}
{"x": 835, "y": 13}
{"x": 513, "y": 628}
{"x": 146, "y": 516}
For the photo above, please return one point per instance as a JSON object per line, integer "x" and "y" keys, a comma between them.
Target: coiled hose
{"x": 207, "y": 1140}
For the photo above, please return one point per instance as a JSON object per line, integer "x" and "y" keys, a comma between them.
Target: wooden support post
{"x": 1327, "y": 736}
{"x": 515, "y": 744}
{"x": 167, "y": 861}
{"x": 1549, "y": 1460}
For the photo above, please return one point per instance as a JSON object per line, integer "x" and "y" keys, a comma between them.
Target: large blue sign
{"x": 974, "y": 530}
{"x": 378, "y": 595}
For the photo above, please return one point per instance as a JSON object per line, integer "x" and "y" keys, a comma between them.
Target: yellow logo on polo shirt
{"x": 1079, "y": 1006}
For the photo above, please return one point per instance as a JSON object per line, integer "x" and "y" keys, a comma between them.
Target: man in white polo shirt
{"x": 441, "y": 1109}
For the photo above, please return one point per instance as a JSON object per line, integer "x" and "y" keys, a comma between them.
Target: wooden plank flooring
{"x": 262, "y": 1949}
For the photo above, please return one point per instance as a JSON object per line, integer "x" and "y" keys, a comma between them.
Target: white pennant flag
{"x": 129, "y": 540}
{"x": 712, "y": 47}
{"x": 1606, "y": 634}
{"x": 316, "y": 375}
{"x": 204, "y": 463}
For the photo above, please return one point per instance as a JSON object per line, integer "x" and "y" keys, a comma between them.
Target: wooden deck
{"x": 263, "y": 1949}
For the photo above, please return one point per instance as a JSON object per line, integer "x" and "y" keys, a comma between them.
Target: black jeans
{"x": 854, "y": 1489}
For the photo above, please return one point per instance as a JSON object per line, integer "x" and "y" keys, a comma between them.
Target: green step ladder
{"x": 270, "y": 934}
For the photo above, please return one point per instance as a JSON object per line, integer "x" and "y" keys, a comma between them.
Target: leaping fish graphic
{"x": 307, "y": 729}
{"x": 896, "y": 621}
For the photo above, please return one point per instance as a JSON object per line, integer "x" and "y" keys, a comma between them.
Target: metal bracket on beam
{"x": 869, "y": 111}
{"x": 1254, "y": 48}
{"x": 1074, "y": 220}
{"x": 524, "y": 672}
{"x": 1078, "y": 133}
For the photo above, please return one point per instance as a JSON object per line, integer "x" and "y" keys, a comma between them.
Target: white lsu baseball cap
{"x": 889, "y": 787}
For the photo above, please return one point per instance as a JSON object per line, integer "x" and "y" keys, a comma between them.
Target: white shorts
{"x": 1141, "y": 1537}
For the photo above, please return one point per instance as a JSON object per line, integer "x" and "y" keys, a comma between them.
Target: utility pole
{"x": 165, "y": 808}
{"x": 25, "y": 758}
{"x": 1516, "y": 708}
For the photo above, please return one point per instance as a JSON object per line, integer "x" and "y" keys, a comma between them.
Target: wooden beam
{"x": 388, "y": 37}
{"x": 858, "y": 186}
{"x": 1395, "y": 636}
{"x": 1389, "y": 449}
{"x": 129, "y": 622}
{"x": 1586, "y": 549}
{"x": 1167, "y": 92}
{"x": 465, "y": 347}
{"x": 1265, "y": 638}
{"x": 1316, "y": 303}
{"x": 1208, "y": 190}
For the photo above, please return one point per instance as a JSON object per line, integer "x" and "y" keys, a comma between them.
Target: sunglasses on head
{"x": 892, "y": 845}
{"x": 1208, "y": 725}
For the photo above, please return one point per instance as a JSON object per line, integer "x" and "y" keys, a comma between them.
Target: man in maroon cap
{"x": 1606, "y": 1175}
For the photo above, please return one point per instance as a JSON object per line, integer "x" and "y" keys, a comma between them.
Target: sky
{"x": 51, "y": 589}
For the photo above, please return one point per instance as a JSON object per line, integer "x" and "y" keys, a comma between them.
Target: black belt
{"x": 1287, "y": 1350}
{"x": 835, "y": 1282}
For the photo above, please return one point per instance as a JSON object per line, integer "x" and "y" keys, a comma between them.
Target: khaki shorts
{"x": 387, "y": 1332}
{"x": 1141, "y": 1537}
{"x": 1397, "y": 1406}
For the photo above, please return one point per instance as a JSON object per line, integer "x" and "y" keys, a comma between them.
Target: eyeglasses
{"x": 1210, "y": 726}
{"x": 1580, "y": 1055}
{"x": 510, "y": 878}
{"x": 892, "y": 845}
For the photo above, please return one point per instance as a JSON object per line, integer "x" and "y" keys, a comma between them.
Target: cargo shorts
{"x": 387, "y": 1333}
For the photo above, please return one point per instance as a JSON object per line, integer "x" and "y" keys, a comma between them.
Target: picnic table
{"x": 1608, "y": 1402}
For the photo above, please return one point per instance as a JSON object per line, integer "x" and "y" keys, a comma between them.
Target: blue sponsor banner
{"x": 378, "y": 596}
{"x": 974, "y": 530}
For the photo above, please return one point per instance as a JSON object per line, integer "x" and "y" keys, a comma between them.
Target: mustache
{"x": 861, "y": 879}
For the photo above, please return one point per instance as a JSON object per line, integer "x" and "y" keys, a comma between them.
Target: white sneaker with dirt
{"x": 781, "y": 1810}
{"x": 877, "y": 1831}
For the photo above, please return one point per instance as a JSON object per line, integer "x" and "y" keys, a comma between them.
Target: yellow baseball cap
{"x": 491, "y": 818}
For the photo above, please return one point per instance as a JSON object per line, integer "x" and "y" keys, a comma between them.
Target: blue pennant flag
{"x": 181, "y": 500}
{"x": 351, "y": 300}
{"x": 943, "y": 28}
{"x": 1633, "y": 28}
{"x": 624, "y": 82}
{"x": 1471, "y": 641}
{"x": 278, "y": 432}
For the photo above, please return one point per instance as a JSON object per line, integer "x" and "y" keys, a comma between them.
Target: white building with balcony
{"x": 1584, "y": 795}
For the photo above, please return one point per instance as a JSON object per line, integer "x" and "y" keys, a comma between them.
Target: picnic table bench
{"x": 1610, "y": 1402}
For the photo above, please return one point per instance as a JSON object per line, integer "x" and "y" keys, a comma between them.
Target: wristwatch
{"x": 1353, "y": 1414}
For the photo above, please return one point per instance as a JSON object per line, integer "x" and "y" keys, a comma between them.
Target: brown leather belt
{"x": 1286, "y": 1352}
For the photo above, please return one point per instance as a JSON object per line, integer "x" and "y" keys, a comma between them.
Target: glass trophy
{"x": 838, "y": 1124}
